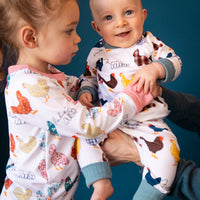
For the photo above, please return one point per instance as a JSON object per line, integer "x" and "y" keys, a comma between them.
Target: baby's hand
{"x": 86, "y": 99}
{"x": 102, "y": 189}
{"x": 148, "y": 75}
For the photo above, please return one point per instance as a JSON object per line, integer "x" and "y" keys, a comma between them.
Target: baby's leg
{"x": 159, "y": 153}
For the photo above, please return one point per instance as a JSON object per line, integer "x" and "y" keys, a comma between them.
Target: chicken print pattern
{"x": 126, "y": 81}
{"x": 175, "y": 151}
{"x": 140, "y": 59}
{"x": 57, "y": 159}
{"x": 27, "y": 147}
{"x": 23, "y": 106}
{"x": 40, "y": 89}
{"x": 155, "y": 145}
{"x": 22, "y": 195}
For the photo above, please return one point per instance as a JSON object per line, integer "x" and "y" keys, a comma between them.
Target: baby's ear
{"x": 96, "y": 28}
{"x": 28, "y": 37}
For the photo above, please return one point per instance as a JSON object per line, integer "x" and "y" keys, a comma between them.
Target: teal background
{"x": 177, "y": 24}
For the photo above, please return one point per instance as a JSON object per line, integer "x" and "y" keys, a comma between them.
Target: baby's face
{"x": 119, "y": 22}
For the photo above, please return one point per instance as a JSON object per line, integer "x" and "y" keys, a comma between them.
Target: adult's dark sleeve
{"x": 185, "y": 109}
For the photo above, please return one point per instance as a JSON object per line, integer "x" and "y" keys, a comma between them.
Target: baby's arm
{"x": 165, "y": 66}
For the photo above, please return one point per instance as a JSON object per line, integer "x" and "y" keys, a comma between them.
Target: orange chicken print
{"x": 12, "y": 144}
{"x": 23, "y": 106}
{"x": 126, "y": 81}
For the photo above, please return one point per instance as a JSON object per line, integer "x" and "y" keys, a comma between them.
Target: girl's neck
{"x": 33, "y": 63}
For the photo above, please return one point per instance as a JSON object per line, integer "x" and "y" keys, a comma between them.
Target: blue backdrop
{"x": 177, "y": 24}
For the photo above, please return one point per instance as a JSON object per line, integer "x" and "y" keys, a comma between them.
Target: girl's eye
{"x": 109, "y": 17}
{"x": 69, "y": 31}
{"x": 129, "y": 12}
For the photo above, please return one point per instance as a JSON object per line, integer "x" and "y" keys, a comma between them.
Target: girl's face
{"x": 58, "y": 40}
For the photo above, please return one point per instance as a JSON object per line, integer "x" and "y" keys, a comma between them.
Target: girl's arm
{"x": 55, "y": 108}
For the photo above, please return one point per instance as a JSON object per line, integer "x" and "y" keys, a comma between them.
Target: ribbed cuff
{"x": 169, "y": 69}
{"x": 96, "y": 171}
{"x": 89, "y": 89}
{"x": 146, "y": 191}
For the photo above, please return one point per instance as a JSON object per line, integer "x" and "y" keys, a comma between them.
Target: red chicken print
{"x": 42, "y": 169}
{"x": 23, "y": 106}
{"x": 57, "y": 158}
{"x": 140, "y": 59}
{"x": 117, "y": 109}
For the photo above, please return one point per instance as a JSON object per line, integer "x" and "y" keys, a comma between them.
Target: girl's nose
{"x": 77, "y": 39}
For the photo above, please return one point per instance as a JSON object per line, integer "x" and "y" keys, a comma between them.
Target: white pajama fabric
{"x": 51, "y": 134}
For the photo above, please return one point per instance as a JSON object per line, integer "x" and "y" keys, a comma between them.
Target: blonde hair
{"x": 35, "y": 13}
{"x": 15, "y": 12}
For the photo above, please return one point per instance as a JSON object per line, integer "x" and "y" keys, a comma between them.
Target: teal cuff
{"x": 146, "y": 191}
{"x": 89, "y": 89}
{"x": 96, "y": 171}
{"x": 169, "y": 70}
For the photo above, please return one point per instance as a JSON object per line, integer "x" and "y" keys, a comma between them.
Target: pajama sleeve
{"x": 90, "y": 158}
{"x": 166, "y": 56}
{"x": 92, "y": 162}
{"x": 55, "y": 108}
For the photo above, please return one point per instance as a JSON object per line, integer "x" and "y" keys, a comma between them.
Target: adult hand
{"x": 120, "y": 148}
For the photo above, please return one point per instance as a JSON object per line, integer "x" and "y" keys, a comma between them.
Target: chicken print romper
{"x": 111, "y": 69}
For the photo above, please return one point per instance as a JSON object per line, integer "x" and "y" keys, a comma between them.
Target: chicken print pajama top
{"x": 51, "y": 135}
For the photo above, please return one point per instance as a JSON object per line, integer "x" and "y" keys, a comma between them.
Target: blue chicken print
{"x": 156, "y": 129}
{"x": 8, "y": 80}
{"x": 169, "y": 55}
{"x": 152, "y": 181}
{"x": 103, "y": 101}
{"x": 53, "y": 130}
{"x": 53, "y": 189}
{"x": 99, "y": 64}
{"x": 69, "y": 184}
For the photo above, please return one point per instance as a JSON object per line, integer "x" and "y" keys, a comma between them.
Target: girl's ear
{"x": 96, "y": 28}
{"x": 28, "y": 36}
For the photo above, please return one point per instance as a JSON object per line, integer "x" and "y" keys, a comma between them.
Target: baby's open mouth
{"x": 123, "y": 34}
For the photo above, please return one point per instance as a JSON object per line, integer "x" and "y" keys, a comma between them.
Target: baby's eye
{"x": 129, "y": 12}
{"x": 108, "y": 17}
